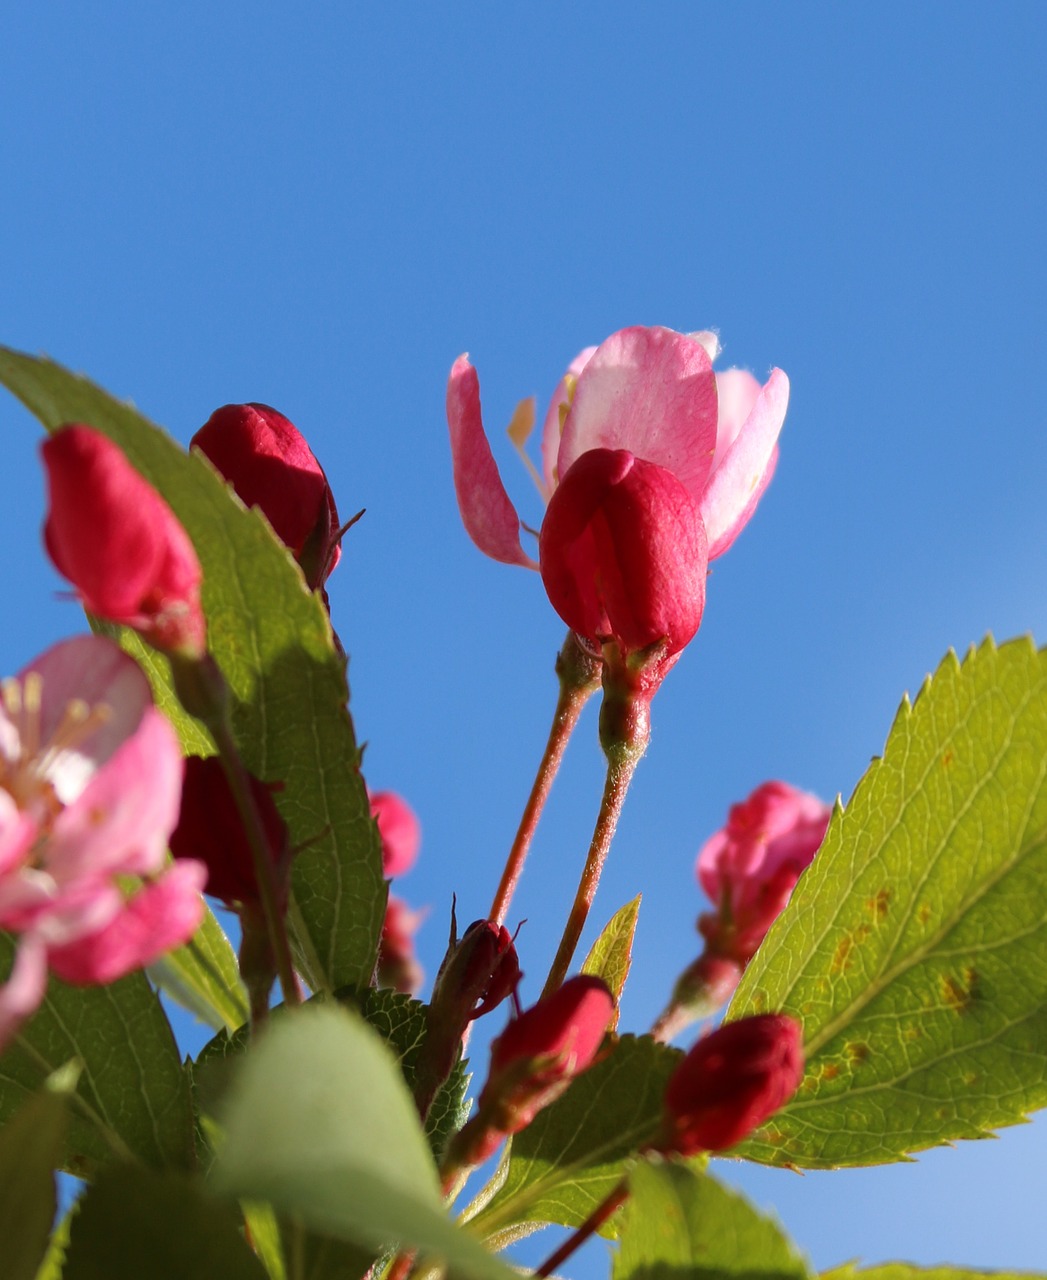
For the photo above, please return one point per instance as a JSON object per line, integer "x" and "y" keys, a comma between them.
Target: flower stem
{"x": 619, "y": 775}
{"x": 579, "y": 675}
{"x": 595, "y": 1220}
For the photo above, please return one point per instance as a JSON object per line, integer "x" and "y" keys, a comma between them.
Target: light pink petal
{"x": 122, "y": 821}
{"x": 651, "y": 391}
{"x": 21, "y": 994}
{"x": 17, "y": 832}
{"x": 162, "y": 915}
{"x": 743, "y": 475}
{"x": 82, "y": 909}
{"x": 736, "y": 393}
{"x": 489, "y": 516}
{"x": 551, "y": 426}
{"x": 91, "y": 670}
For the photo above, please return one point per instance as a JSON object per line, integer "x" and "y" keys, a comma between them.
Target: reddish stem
{"x": 595, "y": 1220}
{"x": 579, "y": 675}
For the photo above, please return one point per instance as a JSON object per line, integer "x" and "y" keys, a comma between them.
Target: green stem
{"x": 579, "y": 674}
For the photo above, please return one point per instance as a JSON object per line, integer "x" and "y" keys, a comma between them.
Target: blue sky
{"x": 321, "y": 209}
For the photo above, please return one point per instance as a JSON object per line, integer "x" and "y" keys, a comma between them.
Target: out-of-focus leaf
{"x": 679, "y": 1224}
{"x": 272, "y": 638}
{"x": 612, "y": 952}
{"x": 574, "y": 1152}
{"x": 906, "y": 1271}
{"x": 914, "y": 949}
{"x": 30, "y": 1149}
{"x": 204, "y": 977}
{"x": 320, "y": 1123}
{"x": 136, "y": 1222}
{"x": 131, "y": 1084}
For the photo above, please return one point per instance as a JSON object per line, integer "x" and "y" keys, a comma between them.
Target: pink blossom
{"x": 120, "y": 545}
{"x": 651, "y": 393}
{"x": 400, "y": 830}
{"x": 733, "y": 1080}
{"x": 749, "y": 868}
{"x": 398, "y": 965}
{"x": 269, "y": 464}
{"x": 90, "y": 777}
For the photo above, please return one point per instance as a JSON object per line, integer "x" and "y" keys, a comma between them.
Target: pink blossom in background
{"x": 400, "y": 830}
{"x": 270, "y": 466}
{"x": 120, "y": 545}
{"x": 732, "y": 1080}
{"x": 650, "y": 393}
{"x": 398, "y": 965}
{"x": 749, "y": 868}
{"x": 90, "y": 780}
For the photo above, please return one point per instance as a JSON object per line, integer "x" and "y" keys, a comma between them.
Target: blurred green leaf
{"x": 906, "y": 1271}
{"x": 272, "y": 639}
{"x": 612, "y": 952}
{"x": 54, "y": 1258}
{"x": 574, "y": 1152}
{"x": 679, "y": 1224}
{"x": 135, "y": 1222}
{"x": 131, "y": 1084}
{"x": 204, "y": 977}
{"x": 264, "y": 1234}
{"x": 320, "y": 1123}
{"x": 914, "y": 949}
{"x": 30, "y": 1150}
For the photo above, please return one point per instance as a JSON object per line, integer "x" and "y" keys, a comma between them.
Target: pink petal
{"x": 746, "y": 469}
{"x": 736, "y": 393}
{"x": 651, "y": 391}
{"x": 92, "y": 670}
{"x": 122, "y": 821}
{"x": 489, "y": 516}
{"x": 17, "y": 833}
{"x": 551, "y": 426}
{"x": 21, "y": 994}
{"x": 162, "y": 915}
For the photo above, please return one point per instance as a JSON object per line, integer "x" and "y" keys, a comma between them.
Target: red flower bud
{"x": 730, "y": 1083}
{"x": 398, "y": 965}
{"x": 623, "y": 553}
{"x": 120, "y": 545}
{"x": 210, "y": 829}
{"x": 400, "y": 831}
{"x": 267, "y": 461}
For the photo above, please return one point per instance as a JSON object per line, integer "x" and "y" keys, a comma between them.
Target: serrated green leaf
{"x": 30, "y": 1148}
{"x": 679, "y": 1224}
{"x": 574, "y": 1152}
{"x": 914, "y": 949}
{"x": 132, "y": 1085}
{"x": 612, "y": 952}
{"x": 137, "y": 1222}
{"x": 54, "y": 1258}
{"x": 906, "y": 1271}
{"x": 320, "y": 1124}
{"x": 272, "y": 638}
{"x": 204, "y": 977}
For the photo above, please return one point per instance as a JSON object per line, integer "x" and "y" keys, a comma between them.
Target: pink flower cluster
{"x": 90, "y": 780}
{"x": 651, "y": 466}
{"x": 401, "y": 835}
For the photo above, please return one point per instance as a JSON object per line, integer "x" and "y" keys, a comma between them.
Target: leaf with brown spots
{"x": 914, "y": 950}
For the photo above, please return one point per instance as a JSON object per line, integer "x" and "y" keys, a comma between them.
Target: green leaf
{"x": 612, "y": 952}
{"x": 914, "y": 949}
{"x": 204, "y": 977}
{"x": 137, "y": 1222}
{"x": 264, "y": 1230}
{"x": 54, "y": 1259}
{"x": 272, "y": 638}
{"x": 680, "y": 1224}
{"x": 320, "y": 1123}
{"x": 134, "y": 1095}
{"x": 906, "y": 1271}
{"x": 30, "y": 1148}
{"x": 576, "y": 1151}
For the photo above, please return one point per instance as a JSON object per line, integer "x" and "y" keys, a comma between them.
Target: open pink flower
{"x": 90, "y": 777}
{"x": 651, "y": 392}
{"x": 750, "y": 867}
{"x": 120, "y": 545}
{"x": 270, "y": 466}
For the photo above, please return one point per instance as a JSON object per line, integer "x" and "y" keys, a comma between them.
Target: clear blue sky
{"x": 320, "y": 208}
